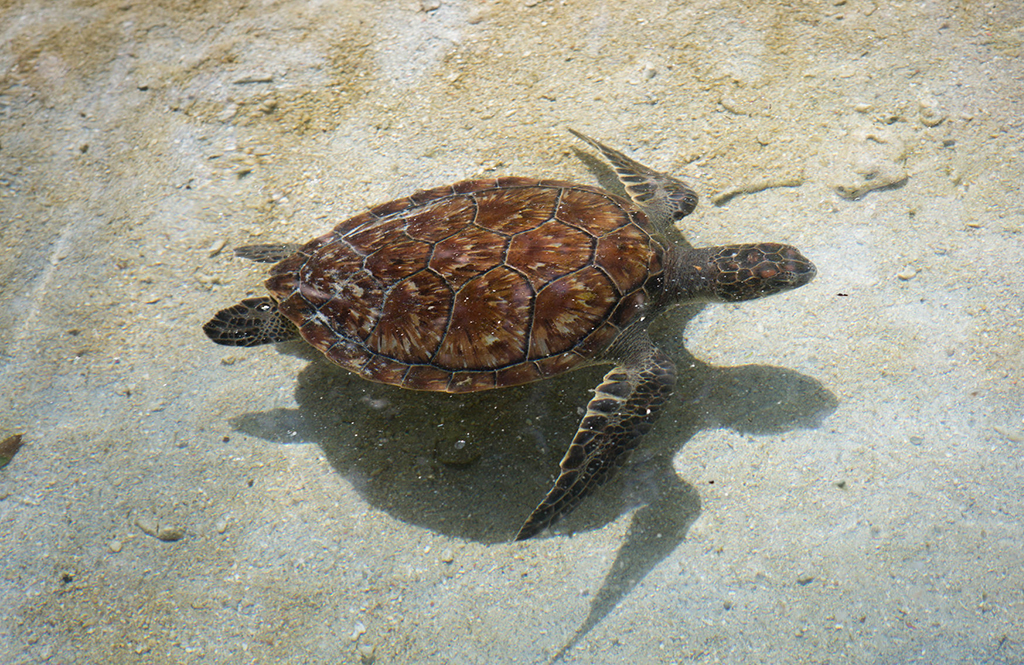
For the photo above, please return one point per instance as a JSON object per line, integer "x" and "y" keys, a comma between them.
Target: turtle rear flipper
{"x": 252, "y": 322}
{"x": 266, "y": 253}
{"x": 624, "y": 406}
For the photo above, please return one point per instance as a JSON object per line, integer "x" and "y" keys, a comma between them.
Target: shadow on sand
{"x": 474, "y": 466}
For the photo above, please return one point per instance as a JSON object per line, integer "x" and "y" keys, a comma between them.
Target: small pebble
{"x": 357, "y": 630}
{"x": 222, "y": 524}
{"x": 931, "y": 115}
{"x": 916, "y": 440}
{"x": 254, "y": 78}
{"x": 148, "y": 524}
{"x": 458, "y": 453}
{"x": 207, "y": 281}
{"x": 115, "y": 546}
{"x": 447, "y": 555}
{"x": 151, "y": 527}
{"x": 169, "y": 534}
{"x": 366, "y": 653}
{"x": 216, "y": 247}
{"x": 1015, "y": 435}
{"x": 229, "y": 111}
{"x": 907, "y": 274}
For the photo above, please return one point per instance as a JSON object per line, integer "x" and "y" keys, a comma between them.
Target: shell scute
{"x": 487, "y": 323}
{"x": 460, "y": 258}
{"x": 413, "y": 318}
{"x": 472, "y": 186}
{"x": 426, "y": 377}
{"x": 617, "y": 253}
{"x": 510, "y": 182}
{"x": 557, "y": 364}
{"x": 567, "y": 307}
{"x": 471, "y": 382}
{"x": 382, "y": 211}
{"x": 519, "y": 374}
{"x": 590, "y": 209}
{"x": 516, "y": 209}
{"x": 380, "y": 369}
{"x": 346, "y": 352}
{"x": 548, "y": 251}
{"x": 311, "y": 247}
{"x": 354, "y": 307}
{"x": 369, "y": 238}
{"x": 655, "y": 265}
{"x": 435, "y": 221}
{"x": 598, "y": 340}
{"x": 629, "y": 307}
{"x": 432, "y": 194}
{"x": 398, "y": 260}
{"x": 322, "y": 274}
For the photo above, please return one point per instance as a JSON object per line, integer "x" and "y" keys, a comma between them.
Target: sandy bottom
{"x": 837, "y": 478}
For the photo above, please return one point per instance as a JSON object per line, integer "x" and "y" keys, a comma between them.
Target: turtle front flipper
{"x": 624, "y": 406}
{"x": 252, "y": 322}
{"x": 663, "y": 197}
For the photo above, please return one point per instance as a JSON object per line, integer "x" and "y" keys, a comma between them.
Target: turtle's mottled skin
{"x": 492, "y": 283}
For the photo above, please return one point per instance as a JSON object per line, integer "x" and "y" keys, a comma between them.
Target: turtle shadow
{"x": 474, "y": 466}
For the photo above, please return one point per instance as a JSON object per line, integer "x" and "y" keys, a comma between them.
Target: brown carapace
{"x": 491, "y": 283}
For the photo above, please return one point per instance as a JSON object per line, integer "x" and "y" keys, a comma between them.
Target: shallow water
{"x": 837, "y": 477}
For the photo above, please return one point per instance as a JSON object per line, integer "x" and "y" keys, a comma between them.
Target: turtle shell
{"x": 476, "y": 285}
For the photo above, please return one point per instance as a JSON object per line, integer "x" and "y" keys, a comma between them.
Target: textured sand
{"x": 838, "y": 478}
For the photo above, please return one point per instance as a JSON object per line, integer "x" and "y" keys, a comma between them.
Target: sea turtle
{"x": 498, "y": 282}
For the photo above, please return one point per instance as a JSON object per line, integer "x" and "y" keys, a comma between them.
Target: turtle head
{"x": 743, "y": 272}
